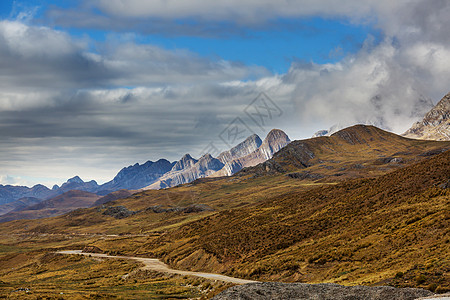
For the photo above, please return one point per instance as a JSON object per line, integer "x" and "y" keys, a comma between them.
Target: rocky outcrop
{"x": 204, "y": 167}
{"x": 92, "y": 249}
{"x": 248, "y": 146}
{"x": 193, "y": 208}
{"x": 185, "y": 162}
{"x": 274, "y": 141}
{"x": 324, "y": 291}
{"x": 118, "y": 212}
{"x": 435, "y": 125}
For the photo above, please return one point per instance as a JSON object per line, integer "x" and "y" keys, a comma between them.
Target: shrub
{"x": 432, "y": 287}
{"x": 421, "y": 279}
{"x": 441, "y": 290}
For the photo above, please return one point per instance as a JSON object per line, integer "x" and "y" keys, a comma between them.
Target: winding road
{"x": 155, "y": 264}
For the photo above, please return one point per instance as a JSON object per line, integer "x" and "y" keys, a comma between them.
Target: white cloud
{"x": 64, "y": 110}
{"x": 374, "y": 87}
{"x": 38, "y": 57}
{"x": 15, "y": 180}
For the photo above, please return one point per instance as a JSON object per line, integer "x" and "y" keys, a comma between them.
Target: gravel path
{"x": 155, "y": 264}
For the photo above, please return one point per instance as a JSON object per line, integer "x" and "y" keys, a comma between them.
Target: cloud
{"x": 372, "y": 87}
{"x": 248, "y": 11}
{"x": 215, "y": 18}
{"x": 73, "y": 106}
{"x": 64, "y": 107}
{"x": 37, "y": 57}
{"x": 13, "y": 180}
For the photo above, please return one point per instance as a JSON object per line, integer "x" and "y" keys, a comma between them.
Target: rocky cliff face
{"x": 205, "y": 166}
{"x": 162, "y": 173}
{"x": 435, "y": 125}
{"x": 185, "y": 162}
{"x": 274, "y": 141}
{"x": 250, "y": 144}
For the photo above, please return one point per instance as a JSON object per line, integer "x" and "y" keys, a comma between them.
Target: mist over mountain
{"x": 435, "y": 125}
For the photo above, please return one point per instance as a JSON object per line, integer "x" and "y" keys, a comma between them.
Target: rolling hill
{"x": 363, "y": 206}
{"x": 360, "y": 231}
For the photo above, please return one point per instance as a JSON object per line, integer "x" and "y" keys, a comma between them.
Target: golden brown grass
{"x": 386, "y": 227}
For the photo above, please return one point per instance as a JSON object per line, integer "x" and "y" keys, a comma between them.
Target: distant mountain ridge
{"x": 56, "y": 206}
{"x": 250, "y": 152}
{"x": 18, "y": 204}
{"x": 250, "y": 144}
{"x": 192, "y": 170}
{"x": 137, "y": 176}
{"x": 274, "y": 141}
{"x": 10, "y": 193}
{"x": 435, "y": 125}
{"x": 158, "y": 174}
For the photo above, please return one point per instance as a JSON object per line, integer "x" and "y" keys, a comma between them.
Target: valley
{"x": 363, "y": 206}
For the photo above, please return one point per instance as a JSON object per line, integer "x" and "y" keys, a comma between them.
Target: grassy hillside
{"x": 359, "y": 231}
{"x": 355, "y": 152}
{"x": 363, "y": 206}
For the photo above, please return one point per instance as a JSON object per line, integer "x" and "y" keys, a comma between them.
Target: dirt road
{"x": 155, "y": 264}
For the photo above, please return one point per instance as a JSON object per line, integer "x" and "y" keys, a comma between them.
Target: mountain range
{"x": 243, "y": 157}
{"x": 248, "y": 153}
{"x": 361, "y": 207}
{"x": 150, "y": 175}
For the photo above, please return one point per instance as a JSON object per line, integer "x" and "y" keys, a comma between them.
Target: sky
{"x": 89, "y": 87}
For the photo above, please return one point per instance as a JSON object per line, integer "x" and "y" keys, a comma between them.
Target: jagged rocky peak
{"x": 435, "y": 125}
{"x": 75, "y": 179}
{"x": 274, "y": 141}
{"x": 185, "y": 162}
{"x": 276, "y": 135}
{"x": 137, "y": 176}
{"x": 188, "y": 170}
{"x": 246, "y": 147}
{"x": 207, "y": 162}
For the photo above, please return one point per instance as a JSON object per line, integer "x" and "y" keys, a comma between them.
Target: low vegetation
{"x": 366, "y": 207}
